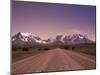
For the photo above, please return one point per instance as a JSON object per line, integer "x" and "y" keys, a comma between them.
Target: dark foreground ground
{"x": 54, "y": 60}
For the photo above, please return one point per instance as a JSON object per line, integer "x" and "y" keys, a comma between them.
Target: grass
{"x": 88, "y": 49}
{"x": 24, "y": 53}
{"x": 21, "y": 53}
{"x": 91, "y": 51}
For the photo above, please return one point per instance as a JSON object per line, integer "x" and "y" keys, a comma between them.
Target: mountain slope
{"x": 28, "y": 39}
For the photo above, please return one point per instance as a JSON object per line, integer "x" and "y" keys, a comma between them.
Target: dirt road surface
{"x": 54, "y": 60}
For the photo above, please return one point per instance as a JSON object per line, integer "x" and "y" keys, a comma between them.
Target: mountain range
{"x": 21, "y": 38}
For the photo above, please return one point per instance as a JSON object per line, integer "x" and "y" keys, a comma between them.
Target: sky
{"x": 51, "y": 19}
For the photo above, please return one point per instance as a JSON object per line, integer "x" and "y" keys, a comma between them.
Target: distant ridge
{"x": 29, "y": 39}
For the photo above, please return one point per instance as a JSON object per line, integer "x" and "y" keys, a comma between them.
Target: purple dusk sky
{"x": 49, "y": 19}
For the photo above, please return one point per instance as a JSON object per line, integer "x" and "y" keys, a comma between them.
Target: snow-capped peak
{"x": 81, "y": 37}
{"x": 75, "y": 36}
{"x": 26, "y": 34}
{"x": 22, "y": 36}
{"x": 29, "y": 37}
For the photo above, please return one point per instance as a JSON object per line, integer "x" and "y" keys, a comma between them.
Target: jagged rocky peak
{"x": 59, "y": 37}
{"x": 67, "y": 39}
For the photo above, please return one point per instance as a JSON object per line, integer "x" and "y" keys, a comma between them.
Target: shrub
{"x": 39, "y": 49}
{"x": 66, "y": 47}
{"x": 25, "y": 49}
{"x": 46, "y": 49}
{"x": 73, "y": 48}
